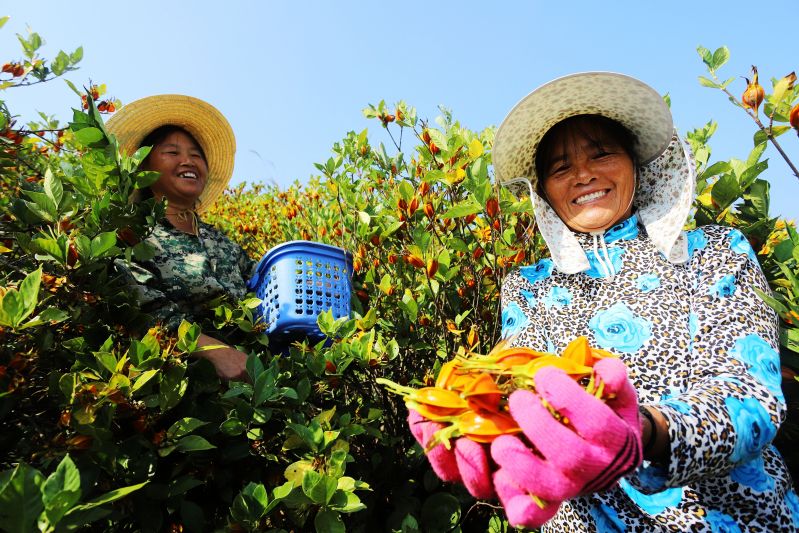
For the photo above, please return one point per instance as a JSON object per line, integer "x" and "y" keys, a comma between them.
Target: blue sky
{"x": 292, "y": 77}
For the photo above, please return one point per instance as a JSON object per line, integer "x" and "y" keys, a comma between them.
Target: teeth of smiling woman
{"x": 188, "y": 175}
{"x": 589, "y": 197}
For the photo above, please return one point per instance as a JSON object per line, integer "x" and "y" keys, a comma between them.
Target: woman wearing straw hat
{"x": 195, "y": 265}
{"x": 682, "y": 440}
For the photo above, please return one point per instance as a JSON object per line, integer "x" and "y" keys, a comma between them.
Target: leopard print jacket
{"x": 701, "y": 347}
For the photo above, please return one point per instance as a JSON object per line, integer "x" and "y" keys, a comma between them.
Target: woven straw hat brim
{"x": 204, "y": 122}
{"x": 622, "y": 98}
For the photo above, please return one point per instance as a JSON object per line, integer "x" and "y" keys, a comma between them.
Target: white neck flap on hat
{"x": 663, "y": 201}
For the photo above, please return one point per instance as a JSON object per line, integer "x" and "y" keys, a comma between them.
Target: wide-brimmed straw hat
{"x": 204, "y": 122}
{"x": 634, "y": 104}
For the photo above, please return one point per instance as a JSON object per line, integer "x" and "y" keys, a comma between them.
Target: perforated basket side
{"x": 299, "y": 281}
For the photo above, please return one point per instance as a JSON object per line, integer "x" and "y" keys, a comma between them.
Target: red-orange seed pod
{"x": 402, "y": 205}
{"x": 375, "y": 240}
{"x": 425, "y": 136}
{"x": 794, "y": 117}
{"x": 519, "y": 257}
{"x": 433, "y": 148}
{"x": 392, "y": 259}
{"x": 478, "y": 253}
{"x": 424, "y": 321}
{"x": 470, "y": 218}
{"x": 497, "y": 225}
{"x": 429, "y": 210}
{"x": 472, "y": 337}
{"x": 424, "y": 188}
{"x": 432, "y": 267}
{"x": 357, "y": 265}
{"x": 72, "y": 255}
{"x": 415, "y": 261}
{"x": 753, "y": 94}
{"x": 492, "y": 207}
{"x": 414, "y": 205}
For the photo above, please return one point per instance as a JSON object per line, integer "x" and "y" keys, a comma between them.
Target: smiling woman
{"x": 614, "y": 189}
{"x": 195, "y": 266}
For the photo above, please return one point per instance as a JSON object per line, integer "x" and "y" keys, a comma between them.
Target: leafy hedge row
{"x": 111, "y": 425}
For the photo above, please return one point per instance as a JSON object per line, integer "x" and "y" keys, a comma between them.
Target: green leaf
{"x": 194, "y": 443}
{"x": 61, "y": 491}
{"x": 751, "y": 174}
{"x": 705, "y": 54}
{"x": 318, "y": 487}
{"x": 726, "y": 190}
{"x": 42, "y": 206}
{"x": 441, "y": 512}
{"x": 53, "y": 187}
{"x": 143, "y": 379}
{"x": 102, "y": 243}
{"x": 327, "y": 521}
{"x": 467, "y": 207}
{"x": 20, "y": 498}
{"x": 146, "y": 178}
{"x": 250, "y": 504}
{"x": 183, "y": 427}
{"x": 88, "y": 136}
{"x": 108, "y": 497}
{"x": 51, "y": 247}
{"x": 761, "y": 135}
{"x": 715, "y": 169}
{"x": 3, "y": 20}
{"x": 720, "y": 57}
{"x": 51, "y": 315}
{"x": 705, "y": 82}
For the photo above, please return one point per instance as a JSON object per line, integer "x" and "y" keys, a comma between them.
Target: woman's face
{"x": 588, "y": 177}
{"x": 182, "y": 166}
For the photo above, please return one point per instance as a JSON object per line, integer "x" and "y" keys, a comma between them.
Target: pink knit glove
{"x": 595, "y": 444}
{"x": 466, "y": 462}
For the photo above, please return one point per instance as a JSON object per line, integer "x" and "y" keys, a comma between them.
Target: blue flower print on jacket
{"x": 606, "y": 519}
{"x": 670, "y": 399}
{"x": 529, "y": 297}
{"x": 740, "y": 244}
{"x": 792, "y": 502}
{"x": 538, "y": 271}
{"x": 693, "y": 324}
{"x": 647, "y": 282}
{"x": 724, "y": 287}
{"x": 722, "y": 523}
{"x": 617, "y": 327}
{"x": 596, "y": 270}
{"x": 626, "y": 230}
{"x": 697, "y": 240}
{"x": 753, "y": 475}
{"x": 762, "y": 360}
{"x": 652, "y": 477}
{"x": 513, "y": 320}
{"x": 753, "y": 428}
{"x": 557, "y": 296}
{"x": 653, "y": 503}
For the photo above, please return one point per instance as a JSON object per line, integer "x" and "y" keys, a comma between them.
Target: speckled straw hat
{"x": 204, "y": 122}
{"x": 626, "y": 100}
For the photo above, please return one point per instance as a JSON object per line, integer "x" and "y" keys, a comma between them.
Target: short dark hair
{"x": 159, "y": 134}
{"x": 587, "y": 125}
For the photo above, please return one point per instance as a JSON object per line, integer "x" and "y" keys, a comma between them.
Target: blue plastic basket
{"x": 296, "y": 281}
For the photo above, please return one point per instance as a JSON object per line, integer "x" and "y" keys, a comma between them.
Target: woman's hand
{"x": 467, "y": 461}
{"x": 230, "y": 363}
{"x": 594, "y": 443}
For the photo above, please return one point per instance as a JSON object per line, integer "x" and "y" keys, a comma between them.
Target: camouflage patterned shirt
{"x": 188, "y": 275}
